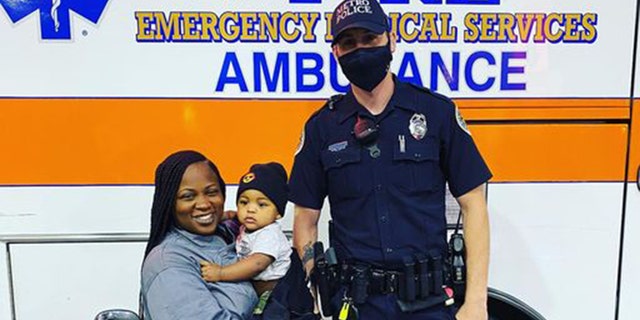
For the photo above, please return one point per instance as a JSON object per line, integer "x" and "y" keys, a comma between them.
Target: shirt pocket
{"x": 343, "y": 172}
{"x": 416, "y": 166}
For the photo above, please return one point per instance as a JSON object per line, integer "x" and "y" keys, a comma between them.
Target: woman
{"x": 187, "y": 207}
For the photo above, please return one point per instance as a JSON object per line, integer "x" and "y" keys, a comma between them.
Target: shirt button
{"x": 383, "y": 219}
{"x": 417, "y": 155}
{"x": 388, "y": 250}
{"x": 378, "y": 187}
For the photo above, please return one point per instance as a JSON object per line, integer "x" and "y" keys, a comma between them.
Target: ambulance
{"x": 95, "y": 94}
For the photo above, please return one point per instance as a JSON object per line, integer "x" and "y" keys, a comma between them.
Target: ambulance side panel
{"x": 84, "y": 121}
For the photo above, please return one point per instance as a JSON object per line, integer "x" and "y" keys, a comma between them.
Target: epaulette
{"x": 329, "y": 104}
{"x": 332, "y": 101}
{"x": 433, "y": 94}
{"x": 420, "y": 88}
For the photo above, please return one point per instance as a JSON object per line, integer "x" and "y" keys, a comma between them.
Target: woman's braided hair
{"x": 167, "y": 181}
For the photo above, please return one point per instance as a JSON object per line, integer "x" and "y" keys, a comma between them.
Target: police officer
{"x": 382, "y": 154}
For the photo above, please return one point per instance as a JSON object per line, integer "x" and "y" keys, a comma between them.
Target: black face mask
{"x": 366, "y": 67}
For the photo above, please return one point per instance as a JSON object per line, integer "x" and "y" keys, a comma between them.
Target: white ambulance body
{"x": 94, "y": 94}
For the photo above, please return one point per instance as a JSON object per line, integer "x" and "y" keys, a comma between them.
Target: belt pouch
{"x": 437, "y": 273}
{"x": 359, "y": 284}
{"x": 407, "y": 280}
{"x": 423, "y": 275}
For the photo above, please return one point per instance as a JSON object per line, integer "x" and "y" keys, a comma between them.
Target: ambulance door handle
{"x": 638, "y": 178}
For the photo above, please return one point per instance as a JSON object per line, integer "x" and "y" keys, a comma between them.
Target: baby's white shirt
{"x": 269, "y": 240}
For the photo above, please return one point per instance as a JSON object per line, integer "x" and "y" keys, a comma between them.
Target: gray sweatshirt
{"x": 172, "y": 286}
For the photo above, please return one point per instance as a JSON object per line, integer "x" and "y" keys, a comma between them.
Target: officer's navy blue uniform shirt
{"x": 391, "y": 206}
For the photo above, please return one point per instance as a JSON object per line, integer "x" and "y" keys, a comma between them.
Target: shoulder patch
{"x": 461, "y": 123}
{"x": 300, "y": 143}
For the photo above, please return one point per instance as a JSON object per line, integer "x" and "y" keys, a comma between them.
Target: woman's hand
{"x": 210, "y": 271}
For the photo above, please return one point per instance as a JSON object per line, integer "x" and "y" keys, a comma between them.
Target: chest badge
{"x": 418, "y": 126}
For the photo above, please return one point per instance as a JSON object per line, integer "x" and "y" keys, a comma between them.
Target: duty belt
{"x": 420, "y": 285}
{"x": 419, "y": 282}
{"x": 407, "y": 285}
{"x": 383, "y": 281}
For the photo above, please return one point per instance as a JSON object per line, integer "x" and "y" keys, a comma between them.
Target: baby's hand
{"x": 210, "y": 271}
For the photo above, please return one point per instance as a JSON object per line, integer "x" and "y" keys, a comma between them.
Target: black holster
{"x": 325, "y": 276}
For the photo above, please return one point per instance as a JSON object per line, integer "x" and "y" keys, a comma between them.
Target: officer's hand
{"x": 210, "y": 271}
{"x": 472, "y": 311}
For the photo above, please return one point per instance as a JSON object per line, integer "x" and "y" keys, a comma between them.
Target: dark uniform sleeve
{"x": 463, "y": 165}
{"x": 307, "y": 184}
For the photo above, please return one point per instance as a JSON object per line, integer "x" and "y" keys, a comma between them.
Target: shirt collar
{"x": 403, "y": 97}
{"x": 199, "y": 240}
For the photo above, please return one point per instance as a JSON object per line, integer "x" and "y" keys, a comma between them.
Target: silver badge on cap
{"x": 418, "y": 126}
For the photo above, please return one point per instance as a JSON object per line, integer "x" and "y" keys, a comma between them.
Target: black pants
{"x": 290, "y": 299}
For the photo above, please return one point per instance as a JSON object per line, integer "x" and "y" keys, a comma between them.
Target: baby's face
{"x": 255, "y": 210}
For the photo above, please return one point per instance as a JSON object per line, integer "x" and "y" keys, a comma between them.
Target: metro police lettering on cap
{"x": 352, "y": 7}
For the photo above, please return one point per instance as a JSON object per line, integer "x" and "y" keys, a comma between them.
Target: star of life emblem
{"x": 54, "y": 15}
{"x": 418, "y": 126}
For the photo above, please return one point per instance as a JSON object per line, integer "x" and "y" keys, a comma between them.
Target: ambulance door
{"x": 630, "y": 271}
{"x": 555, "y": 203}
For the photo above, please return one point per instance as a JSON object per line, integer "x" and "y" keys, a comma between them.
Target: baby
{"x": 262, "y": 247}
